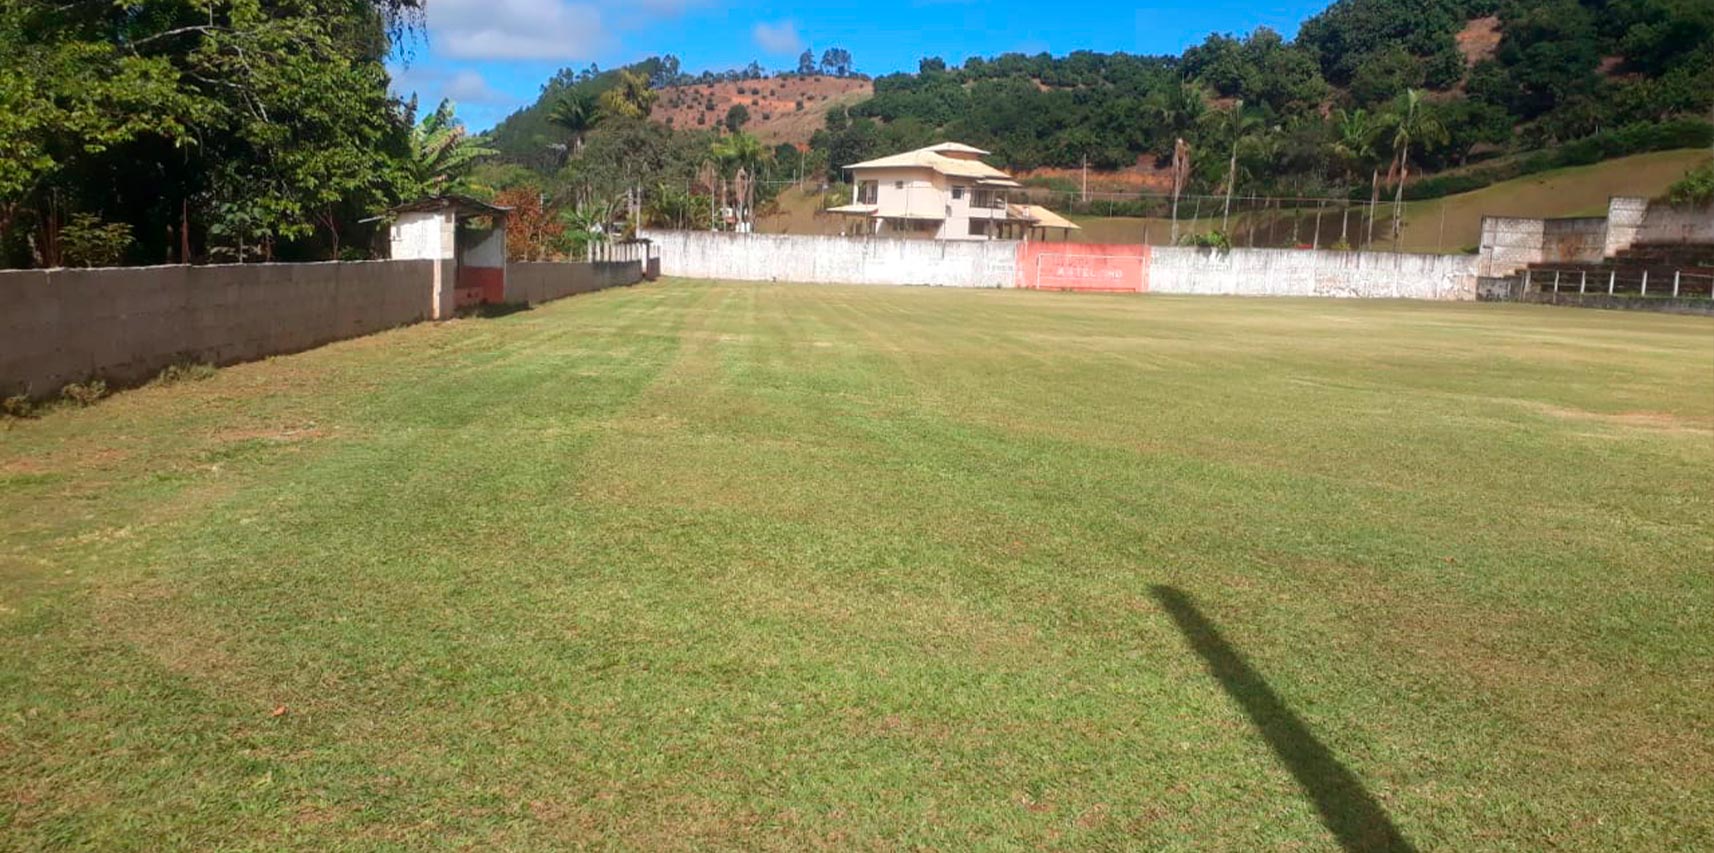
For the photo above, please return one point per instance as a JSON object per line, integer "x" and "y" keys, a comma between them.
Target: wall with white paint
{"x": 1302, "y": 272}
{"x": 835, "y": 260}
{"x": 1253, "y": 272}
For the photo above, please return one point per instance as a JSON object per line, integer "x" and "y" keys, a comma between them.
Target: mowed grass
{"x": 707, "y": 565}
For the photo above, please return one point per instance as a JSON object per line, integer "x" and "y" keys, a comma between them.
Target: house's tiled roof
{"x": 1040, "y": 216}
{"x": 956, "y": 148}
{"x": 929, "y": 158}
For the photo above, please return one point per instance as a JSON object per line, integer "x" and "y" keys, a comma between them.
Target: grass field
{"x": 699, "y": 565}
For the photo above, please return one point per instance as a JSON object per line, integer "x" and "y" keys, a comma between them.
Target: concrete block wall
{"x": 1668, "y": 224}
{"x": 1300, "y": 272}
{"x": 125, "y": 325}
{"x": 533, "y": 283}
{"x": 1625, "y": 218}
{"x": 835, "y": 260}
{"x": 1509, "y": 244}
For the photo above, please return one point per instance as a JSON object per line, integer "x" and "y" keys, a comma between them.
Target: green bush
{"x": 1697, "y": 187}
{"x": 1216, "y": 240}
{"x": 89, "y": 242}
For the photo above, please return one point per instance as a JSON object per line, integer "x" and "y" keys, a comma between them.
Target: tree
{"x": 235, "y": 120}
{"x": 1356, "y": 133}
{"x": 441, "y": 153}
{"x": 1230, "y": 128}
{"x": 737, "y": 116}
{"x": 836, "y": 61}
{"x": 630, "y": 97}
{"x": 577, "y": 112}
{"x": 740, "y": 157}
{"x": 806, "y": 63}
{"x": 533, "y": 229}
{"x": 1411, "y": 122}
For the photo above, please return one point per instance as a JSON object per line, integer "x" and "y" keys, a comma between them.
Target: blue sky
{"x": 491, "y": 56}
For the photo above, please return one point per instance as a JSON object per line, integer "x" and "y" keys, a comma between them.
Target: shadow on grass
{"x": 1347, "y": 808}
{"x": 495, "y": 309}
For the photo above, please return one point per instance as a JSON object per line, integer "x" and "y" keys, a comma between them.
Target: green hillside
{"x": 1366, "y": 85}
{"x": 1450, "y": 224}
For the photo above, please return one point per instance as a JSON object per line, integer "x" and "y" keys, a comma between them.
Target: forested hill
{"x": 1497, "y": 75}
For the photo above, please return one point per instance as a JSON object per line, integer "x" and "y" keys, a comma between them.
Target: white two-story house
{"x": 946, "y": 192}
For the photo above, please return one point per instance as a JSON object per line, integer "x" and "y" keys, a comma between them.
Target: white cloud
{"x": 515, "y": 29}
{"x": 781, "y": 38}
{"x": 469, "y": 87}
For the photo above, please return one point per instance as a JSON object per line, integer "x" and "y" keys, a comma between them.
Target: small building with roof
{"x": 470, "y": 258}
{"x": 945, "y": 192}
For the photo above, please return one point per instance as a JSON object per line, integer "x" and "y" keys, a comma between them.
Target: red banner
{"x": 1083, "y": 266}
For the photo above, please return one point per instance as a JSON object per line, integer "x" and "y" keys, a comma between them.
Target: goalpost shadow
{"x": 1347, "y": 808}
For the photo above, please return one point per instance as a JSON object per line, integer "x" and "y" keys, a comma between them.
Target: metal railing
{"x": 1615, "y": 282}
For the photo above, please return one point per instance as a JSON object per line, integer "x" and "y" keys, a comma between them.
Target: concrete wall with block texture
{"x": 125, "y": 325}
{"x": 532, "y": 283}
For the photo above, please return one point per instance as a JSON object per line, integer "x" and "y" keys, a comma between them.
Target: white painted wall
{"x": 1249, "y": 272}
{"x": 835, "y": 260}
{"x": 1300, "y": 272}
{"x": 422, "y": 236}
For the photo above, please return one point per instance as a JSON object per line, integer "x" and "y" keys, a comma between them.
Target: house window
{"x": 987, "y": 198}
{"x": 866, "y": 191}
{"x": 978, "y": 227}
{"x": 898, "y": 185}
{"x": 957, "y": 193}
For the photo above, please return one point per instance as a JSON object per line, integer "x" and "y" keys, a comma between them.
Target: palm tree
{"x": 1260, "y": 152}
{"x": 1180, "y": 108}
{"x": 1231, "y": 127}
{"x": 1354, "y": 145}
{"x": 1410, "y": 122}
{"x": 442, "y": 152}
{"x": 577, "y": 112}
{"x": 741, "y": 156}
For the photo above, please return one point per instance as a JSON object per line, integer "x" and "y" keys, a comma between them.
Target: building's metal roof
{"x": 461, "y": 205}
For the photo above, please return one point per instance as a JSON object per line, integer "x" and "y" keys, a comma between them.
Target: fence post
{"x": 1645, "y": 282}
{"x": 1556, "y": 282}
{"x": 1676, "y": 274}
{"x": 1612, "y": 281}
{"x": 1583, "y": 283}
{"x": 1526, "y": 279}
